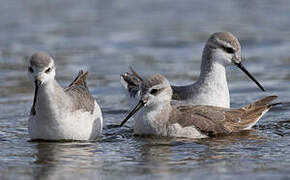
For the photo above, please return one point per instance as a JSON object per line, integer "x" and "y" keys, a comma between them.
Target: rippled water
{"x": 105, "y": 37}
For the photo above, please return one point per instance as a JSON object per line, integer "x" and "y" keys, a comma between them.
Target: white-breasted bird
{"x": 61, "y": 113}
{"x": 221, "y": 50}
{"x": 155, "y": 114}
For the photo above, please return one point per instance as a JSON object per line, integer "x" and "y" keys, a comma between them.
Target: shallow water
{"x": 105, "y": 37}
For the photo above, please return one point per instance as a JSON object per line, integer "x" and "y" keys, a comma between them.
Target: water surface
{"x": 105, "y": 37}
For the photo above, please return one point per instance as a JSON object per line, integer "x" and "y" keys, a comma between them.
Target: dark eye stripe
{"x": 154, "y": 91}
{"x": 47, "y": 70}
{"x": 30, "y": 69}
{"x": 229, "y": 50}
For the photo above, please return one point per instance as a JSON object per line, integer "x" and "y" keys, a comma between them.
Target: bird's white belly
{"x": 175, "y": 130}
{"x": 78, "y": 125}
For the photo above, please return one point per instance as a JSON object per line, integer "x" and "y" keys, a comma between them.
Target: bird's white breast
{"x": 77, "y": 125}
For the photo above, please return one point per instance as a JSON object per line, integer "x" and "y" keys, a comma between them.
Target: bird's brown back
{"x": 216, "y": 120}
{"x": 80, "y": 94}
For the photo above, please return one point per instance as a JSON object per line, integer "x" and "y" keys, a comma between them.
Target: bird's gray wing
{"x": 80, "y": 94}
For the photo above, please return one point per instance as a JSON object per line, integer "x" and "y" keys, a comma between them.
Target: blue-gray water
{"x": 105, "y": 37}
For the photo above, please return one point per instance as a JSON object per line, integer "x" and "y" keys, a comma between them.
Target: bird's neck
{"x": 212, "y": 70}
{"x": 213, "y": 77}
{"x": 51, "y": 100}
{"x": 153, "y": 119}
{"x": 213, "y": 73}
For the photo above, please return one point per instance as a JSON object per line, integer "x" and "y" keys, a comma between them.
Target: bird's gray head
{"x": 225, "y": 48}
{"x": 41, "y": 68}
{"x": 155, "y": 89}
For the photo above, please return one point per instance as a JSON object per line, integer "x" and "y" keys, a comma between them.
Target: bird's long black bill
{"x": 139, "y": 105}
{"x": 249, "y": 75}
{"x": 36, "y": 83}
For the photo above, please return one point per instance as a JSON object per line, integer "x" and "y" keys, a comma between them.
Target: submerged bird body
{"x": 57, "y": 113}
{"x": 221, "y": 50}
{"x": 157, "y": 116}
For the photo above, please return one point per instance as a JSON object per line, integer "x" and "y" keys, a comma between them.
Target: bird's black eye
{"x": 229, "y": 50}
{"x": 153, "y": 91}
{"x": 30, "y": 69}
{"x": 48, "y": 70}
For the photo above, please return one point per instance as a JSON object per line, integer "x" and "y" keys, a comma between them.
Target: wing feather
{"x": 80, "y": 94}
{"x": 216, "y": 120}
